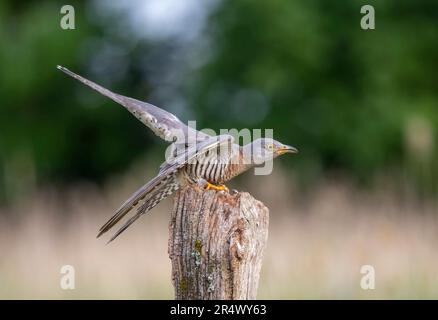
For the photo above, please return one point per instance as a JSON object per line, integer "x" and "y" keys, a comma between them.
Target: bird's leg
{"x": 220, "y": 187}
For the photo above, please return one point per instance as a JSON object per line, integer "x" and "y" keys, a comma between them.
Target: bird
{"x": 194, "y": 157}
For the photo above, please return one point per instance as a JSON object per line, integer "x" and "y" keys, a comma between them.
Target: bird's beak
{"x": 287, "y": 149}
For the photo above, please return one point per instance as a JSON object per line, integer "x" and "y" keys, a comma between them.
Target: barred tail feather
{"x": 163, "y": 185}
{"x": 148, "y": 193}
{"x": 155, "y": 198}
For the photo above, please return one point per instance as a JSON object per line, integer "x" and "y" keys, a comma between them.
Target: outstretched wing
{"x": 150, "y": 195}
{"x": 141, "y": 195}
{"x": 164, "y": 184}
{"x": 164, "y": 124}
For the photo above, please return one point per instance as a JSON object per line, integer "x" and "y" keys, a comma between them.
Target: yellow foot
{"x": 220, "y": 187}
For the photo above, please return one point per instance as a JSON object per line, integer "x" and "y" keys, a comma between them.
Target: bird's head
{"x": 265, "y": 149}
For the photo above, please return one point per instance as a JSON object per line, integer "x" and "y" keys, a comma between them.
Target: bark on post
{"x": 216, "y": 244}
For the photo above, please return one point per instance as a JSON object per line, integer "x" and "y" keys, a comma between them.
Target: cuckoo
{"x": 193, "y": 157}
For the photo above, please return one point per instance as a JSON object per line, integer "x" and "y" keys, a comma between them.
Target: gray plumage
{"x": 194, "y": 157}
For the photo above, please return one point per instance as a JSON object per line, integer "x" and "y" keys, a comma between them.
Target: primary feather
{"x": 164, "y": 124}
{"x": 162, "y": 186}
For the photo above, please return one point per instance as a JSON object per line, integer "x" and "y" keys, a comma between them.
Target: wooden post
{"x": 216, "y": 244}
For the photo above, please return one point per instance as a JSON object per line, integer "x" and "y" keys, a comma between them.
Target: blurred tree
{"x": 52, "y": 130}
{"x": 341, "y": 94}
{"x": 349, "y": 99}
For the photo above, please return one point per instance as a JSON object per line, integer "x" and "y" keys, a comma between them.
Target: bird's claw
{"x": 220, "y": 187}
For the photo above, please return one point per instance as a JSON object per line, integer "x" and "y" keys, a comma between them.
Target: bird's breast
{"x": 210, "y": 168}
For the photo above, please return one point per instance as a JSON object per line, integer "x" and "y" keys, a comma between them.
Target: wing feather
{"x": 155, "y": 197}
{"x": 148, "y": 191}
{"x": 164, "y": 124}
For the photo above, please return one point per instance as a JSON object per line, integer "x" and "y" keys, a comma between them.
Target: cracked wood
{"x": 216, "y": 244}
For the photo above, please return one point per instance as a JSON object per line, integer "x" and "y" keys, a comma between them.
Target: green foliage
{"x": 347, "y": 98}
{"x": 342, "y": 95}
{"x": 51, "y": 129}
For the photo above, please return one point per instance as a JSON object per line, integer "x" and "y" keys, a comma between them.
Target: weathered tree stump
{"x": 216, "y": 244}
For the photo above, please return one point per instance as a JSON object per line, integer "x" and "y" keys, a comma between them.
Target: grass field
{"x": 317, "y": 244}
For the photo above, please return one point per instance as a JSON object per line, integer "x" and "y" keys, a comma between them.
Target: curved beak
{"x": 287, "y": 149}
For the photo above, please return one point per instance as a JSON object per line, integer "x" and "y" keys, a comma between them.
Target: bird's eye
{"x": 270, "y": 146}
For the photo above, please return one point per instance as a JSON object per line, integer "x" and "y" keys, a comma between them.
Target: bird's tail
{"x": 113, "y": 96}
{"x": 146, "y": 198}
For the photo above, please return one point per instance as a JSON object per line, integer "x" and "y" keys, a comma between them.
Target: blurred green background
{"x": 359, "y": 105}
{"x": 359, "y": 102}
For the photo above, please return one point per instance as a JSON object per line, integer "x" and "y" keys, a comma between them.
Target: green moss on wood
{"x": 198, "y": 245}
{"x": 183, "y": 286}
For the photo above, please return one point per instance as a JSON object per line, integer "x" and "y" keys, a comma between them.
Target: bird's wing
{"x": 140, "y": 195}
{"x": 153, "y": 196}
{"x": 162, "y": 185}
{"x": 164, "y": 124}
{"x": 191, "y": 152}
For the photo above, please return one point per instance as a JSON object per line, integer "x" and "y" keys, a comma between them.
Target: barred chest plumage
{"x": 216, "y": 166}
